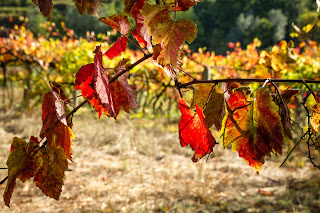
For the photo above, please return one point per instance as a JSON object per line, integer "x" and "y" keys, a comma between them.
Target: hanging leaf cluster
{"x": 255, "y": 127}
{"x": 46, "y": 163}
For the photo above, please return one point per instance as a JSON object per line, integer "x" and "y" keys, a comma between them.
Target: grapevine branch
{"x": 247, "y": 80}
{"x": 129, "y": 67}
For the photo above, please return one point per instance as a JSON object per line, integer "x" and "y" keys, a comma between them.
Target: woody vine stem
{"x": 310, "y": 141}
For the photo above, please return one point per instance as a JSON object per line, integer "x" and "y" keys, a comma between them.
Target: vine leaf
{"x": 50, "y": 177}
{"x": 84, "y": 82}
{"x": 56, "y": 132}
{"x": 315, "y": 118}
{"x": 214, "y": 108}
{"x": 228, "y": 89}
{"x": 140, "y": 40}
{"x": 252, "y": 126}
{"x": 284, "y": 111}
{"x": 45, "y": 6}
{"x": 128, "y": 4}
{"x": 193, "y": 130}
{"x": 183, "y": 5}
{"x": 101, "y": 83}
{"x": 24, "y": 162}
{"x": 140, "y": 33}
{"x": 92, "y": 6}
{"x": 170, "y": 34}
{"x": 122, "y": 92}
{"x": 121, "y": 24}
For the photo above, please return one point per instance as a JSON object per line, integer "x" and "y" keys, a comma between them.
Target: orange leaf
{"x": 252, "y": 126}
{"x": 315, "y": 118}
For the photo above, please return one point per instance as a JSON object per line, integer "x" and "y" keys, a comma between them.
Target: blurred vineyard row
{"x": 29, "y": 63}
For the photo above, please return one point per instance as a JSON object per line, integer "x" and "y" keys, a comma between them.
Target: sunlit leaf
{"x": 118, "y": 22}
{"x": 252, "y": 126}
{"x": 207, "y": 97}
{"x": 118, "y": 47}
{"x": 84, "y": 82}
{"x": 141, "y": 30}
{"x": 101, "y": 83}
{"x": 171, "y": 34}
{"x": 194, "y": 131}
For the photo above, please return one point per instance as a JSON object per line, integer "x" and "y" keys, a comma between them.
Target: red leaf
{"x": 84, "y": 79}
{"x": 140, "y": 26}
{"x": 184, "y": 5}
{"x": 118, "y": 47}
{"x": 119, "y": 22}
{"x": 84, "y": 82}
{"x": 123, "y": 93}
{"x": 193, "y": 130}
{"x": 101, "y": 83}
{"x": 140, "y": 40}
{"x": 57, "y": 133}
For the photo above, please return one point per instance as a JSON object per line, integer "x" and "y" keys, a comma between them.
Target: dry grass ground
{"x": 138, "y": 166}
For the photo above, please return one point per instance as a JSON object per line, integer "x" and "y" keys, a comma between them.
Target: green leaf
{"x": 24, "y": 162}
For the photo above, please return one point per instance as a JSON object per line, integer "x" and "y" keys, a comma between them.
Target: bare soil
{"x": 137, "y": 165}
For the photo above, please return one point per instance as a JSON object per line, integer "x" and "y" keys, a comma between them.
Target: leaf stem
{"x": 302, "y": 137}
{"x": 135, "y": 44}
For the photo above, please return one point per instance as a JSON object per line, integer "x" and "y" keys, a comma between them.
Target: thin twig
{"x": 302, "y": 137}
{"x": 144, "y": 53}
{"x": 4, "y": 180}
